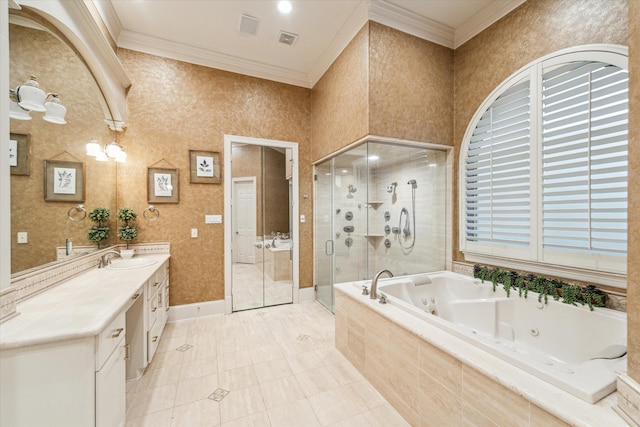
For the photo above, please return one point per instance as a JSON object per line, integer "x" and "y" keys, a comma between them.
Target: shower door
{"x": 340, "y": 222}
{"x": 262, "y": 262}
{"x": 324, "y": 245}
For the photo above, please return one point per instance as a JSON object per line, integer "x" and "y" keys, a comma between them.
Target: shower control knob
{"x": 387, "y": 216}
{"x": 348, "y": 216}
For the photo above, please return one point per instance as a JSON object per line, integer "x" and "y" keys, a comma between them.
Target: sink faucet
{"x": 373, "y": 293}
{"x": 105, "y": 259}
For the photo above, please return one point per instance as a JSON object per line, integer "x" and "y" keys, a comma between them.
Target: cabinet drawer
{"x": 152, "y": 310}
{"x": 109, "y": 338}
{"x": 153, "y": 284}
{"x": 153, "y": 339}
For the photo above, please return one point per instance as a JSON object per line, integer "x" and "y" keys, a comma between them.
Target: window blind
{"x": 497, "y": 172}
{"x": 584, "y": 158}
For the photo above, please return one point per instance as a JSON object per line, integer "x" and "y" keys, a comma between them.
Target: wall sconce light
{"x": 103, "y": 153}
{"x": 30, "y": 97}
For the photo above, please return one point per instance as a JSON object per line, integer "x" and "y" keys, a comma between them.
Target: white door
{"x": 244, "y": 220}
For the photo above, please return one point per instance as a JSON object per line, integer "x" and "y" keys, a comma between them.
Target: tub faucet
{"x": 373, "y": 293}
{"x": 105, "y": 259}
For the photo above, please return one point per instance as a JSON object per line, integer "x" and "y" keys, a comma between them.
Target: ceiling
{"x": 207, "y": 32}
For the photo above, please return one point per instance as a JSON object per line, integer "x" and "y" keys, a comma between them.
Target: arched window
{"x": 543, "y": 168}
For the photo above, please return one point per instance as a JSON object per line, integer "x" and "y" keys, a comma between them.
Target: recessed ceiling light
{"x": 373, "y": 157}
{"x": 284, "y": 6}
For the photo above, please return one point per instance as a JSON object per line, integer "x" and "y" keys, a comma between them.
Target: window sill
{"x": 579, "y": 274}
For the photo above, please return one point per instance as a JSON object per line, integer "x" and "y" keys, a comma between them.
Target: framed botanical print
{"x": 204, "y": 167}
{"x": 163, "y": 185}
{"x": 64, "y": 181}
{"x": 19, "y": 154}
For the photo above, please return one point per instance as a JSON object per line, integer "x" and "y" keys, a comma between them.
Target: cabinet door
{"x": 110, "y": 389}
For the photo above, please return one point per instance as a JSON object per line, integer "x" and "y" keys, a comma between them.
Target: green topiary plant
{"x": 127, "y": 232}
{"x": 100, "y": 232}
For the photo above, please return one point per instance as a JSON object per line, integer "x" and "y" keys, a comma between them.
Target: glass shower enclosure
{"x": 379, "y": 206}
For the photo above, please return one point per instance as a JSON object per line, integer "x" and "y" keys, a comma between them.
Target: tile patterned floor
{"x": 275, "y": 366}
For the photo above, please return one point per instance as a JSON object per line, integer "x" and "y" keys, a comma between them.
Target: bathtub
{"x": 558, "y": 343}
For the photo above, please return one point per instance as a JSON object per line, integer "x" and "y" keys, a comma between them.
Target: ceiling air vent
{"x": 249, "y": 25}
{"x": 287, "y": 38}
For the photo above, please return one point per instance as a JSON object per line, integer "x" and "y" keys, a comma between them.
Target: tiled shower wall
{"x": 428, "y": 168}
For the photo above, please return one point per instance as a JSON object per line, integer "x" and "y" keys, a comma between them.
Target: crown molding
{"x": 380, "y": 11}
{"x": 14, "y": 5}
{"x": 411, "y": 23}
{"x": 484, "y": 19}
{"x": 207, "y": 58}
{"x": 348, "y": 31}
{"x": 109, "y": 17}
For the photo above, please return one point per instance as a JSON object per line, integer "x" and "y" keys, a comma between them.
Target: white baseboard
{"x": 198, "y": 309}
{"x": 306, "y": 294}
{"x": 210, "y": 308}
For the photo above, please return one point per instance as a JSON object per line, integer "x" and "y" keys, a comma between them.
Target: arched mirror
{"x": 45, "y": 217}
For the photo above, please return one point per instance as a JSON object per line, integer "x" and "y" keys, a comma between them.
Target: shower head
{"x": 391, "y": 187}
{"x": 413, "y": 183}
{"x": 352, "y": 189}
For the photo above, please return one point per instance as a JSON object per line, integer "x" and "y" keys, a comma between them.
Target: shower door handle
{"x": 328, "y": 247}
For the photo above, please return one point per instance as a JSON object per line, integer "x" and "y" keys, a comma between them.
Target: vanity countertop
{"x": 81, "y": 306}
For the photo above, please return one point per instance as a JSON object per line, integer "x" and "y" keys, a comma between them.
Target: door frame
{"x": 228, "y": 227}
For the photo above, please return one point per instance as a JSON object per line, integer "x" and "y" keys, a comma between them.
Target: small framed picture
{"x": 163, "y": 185}
{"x": 204, "y": 167}
{"x": 63, "y": 181}
{"x": 19, "y": 154}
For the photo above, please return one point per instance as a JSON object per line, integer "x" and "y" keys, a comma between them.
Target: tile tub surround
{"x": 434, "y": 378}
{"x": 275, "y": 366}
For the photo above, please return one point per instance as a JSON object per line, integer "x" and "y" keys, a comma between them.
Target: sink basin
{"x": 131, "y": 263}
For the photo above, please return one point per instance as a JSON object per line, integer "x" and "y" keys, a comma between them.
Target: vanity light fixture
{"x": 30, "y": 97}
{"x": 104, "y": 153}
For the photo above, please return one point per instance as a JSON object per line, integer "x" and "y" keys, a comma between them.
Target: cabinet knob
{"x": 155, "y": 284}
{"x": 135, "y": 296}
{"x": 117, "y": 333}
{"x": 127, "y": 349}
{"x": 155, "y": 338}
{"x": 153, "y": 310}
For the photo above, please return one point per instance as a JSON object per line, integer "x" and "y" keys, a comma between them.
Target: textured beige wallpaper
{"x": 59, "y": 70}
{"x": 633, "y": 260}
{"x": 173, "y": 107}
{"x": 410, "y": 87}
{"x": 533, "y": 30}
{"x": 340, "y": 99}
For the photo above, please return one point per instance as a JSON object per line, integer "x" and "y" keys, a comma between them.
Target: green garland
{"x": 545, "y": 287}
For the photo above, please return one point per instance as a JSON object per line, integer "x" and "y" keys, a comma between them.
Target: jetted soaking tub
{"x": 571, "y": 347}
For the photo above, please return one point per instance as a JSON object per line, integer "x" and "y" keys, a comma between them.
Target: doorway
{"x": 261, "y": 236}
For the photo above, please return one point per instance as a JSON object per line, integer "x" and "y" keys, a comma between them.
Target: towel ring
{"x": 154, "y": 213}
{"x": 80, "y": 217}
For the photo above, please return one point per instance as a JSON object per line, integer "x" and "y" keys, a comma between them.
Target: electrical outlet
{"x": 22, "y": 237}
{"x": 194, "y": 233}
{"x": 302, "y": 218}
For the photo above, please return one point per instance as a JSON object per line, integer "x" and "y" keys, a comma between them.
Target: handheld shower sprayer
{"x": 391, "y": 187}
{"x": 406, "y": 230}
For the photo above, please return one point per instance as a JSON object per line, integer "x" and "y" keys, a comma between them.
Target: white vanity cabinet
{"x": 76, "y": 382}
{"x": 65, "y": 359}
